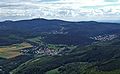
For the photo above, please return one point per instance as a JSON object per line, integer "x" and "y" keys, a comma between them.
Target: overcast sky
{"x": 60, "y": 9}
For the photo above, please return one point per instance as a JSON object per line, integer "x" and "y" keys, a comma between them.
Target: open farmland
{"x": 13, "y": 50}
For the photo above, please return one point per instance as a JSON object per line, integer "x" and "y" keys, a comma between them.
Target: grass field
{"x": 13, "y": 50}
{"x": 54, "y": 71}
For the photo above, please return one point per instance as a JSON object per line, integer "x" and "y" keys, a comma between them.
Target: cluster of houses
{"x": 104, "y": 37}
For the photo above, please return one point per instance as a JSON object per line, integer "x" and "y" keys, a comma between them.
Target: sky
{"x": 73, "y": 10}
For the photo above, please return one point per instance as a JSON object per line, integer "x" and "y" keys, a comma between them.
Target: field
{"x": 13, "y": 50}
{"x": 54, "y": 71}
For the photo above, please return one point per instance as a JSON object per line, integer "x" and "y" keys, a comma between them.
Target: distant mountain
{"x": 55, "y": 31}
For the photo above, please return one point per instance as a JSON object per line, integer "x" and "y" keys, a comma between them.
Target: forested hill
{"x": 55, "y": 31}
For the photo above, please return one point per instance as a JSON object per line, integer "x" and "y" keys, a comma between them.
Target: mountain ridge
{"x": 61, "y": 20}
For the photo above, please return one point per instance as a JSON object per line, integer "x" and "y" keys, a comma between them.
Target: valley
{"x": 59, "y": 47}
